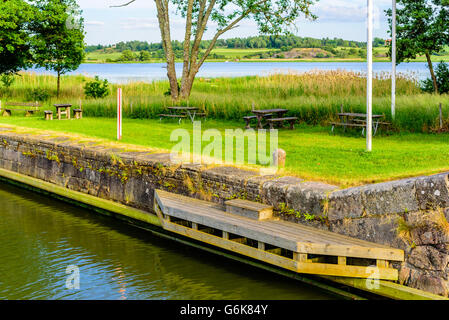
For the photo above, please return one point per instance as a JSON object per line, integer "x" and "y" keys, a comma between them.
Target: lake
{"x": 126, "y": 72}
{"x": 40, "y": 237}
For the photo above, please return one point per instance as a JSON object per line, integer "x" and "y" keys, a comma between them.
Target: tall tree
{"x": 15, "y": 54}
{"x": 271, "y": 16}
{"x": 422, "y": 29}
{"x": 58, "y": 42}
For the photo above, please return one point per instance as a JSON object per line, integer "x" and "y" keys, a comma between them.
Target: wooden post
{"x": 441, "y": 116}
{"x": 342, "y": 260}
{"x": 341, "y": 108}
{"x": 261, "y": 245}
{"x": 300, "y": 257}
{"x": 119, "y": 113}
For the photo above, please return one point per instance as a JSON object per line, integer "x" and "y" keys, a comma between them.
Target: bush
{"x": 97, "y": 88}
{"x": 7, "y": 80}
{"x": 40, "y": 95}
{"x": 442, "y": 75}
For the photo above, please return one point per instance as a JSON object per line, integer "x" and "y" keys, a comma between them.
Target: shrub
{"x": 7, "y": 80}
{"x": 38, "y": 95}
{"x": 442, "y": 75}
{"x": 97, "y": 88}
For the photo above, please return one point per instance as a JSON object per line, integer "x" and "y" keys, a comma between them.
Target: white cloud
{"x": 94, "y": 23}
{"x": 139, "y": 23}
{"x": 345, "y": 11}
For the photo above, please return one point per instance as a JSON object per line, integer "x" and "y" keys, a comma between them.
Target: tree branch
{"x": 187, "y": 37}
{"x": 123, "y": 5}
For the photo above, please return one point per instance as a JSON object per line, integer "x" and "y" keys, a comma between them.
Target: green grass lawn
{"x": 312, "y": 153}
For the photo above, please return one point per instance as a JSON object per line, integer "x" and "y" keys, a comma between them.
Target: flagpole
{"x": 393, "y": 61}
{"x": 369, "y": 76}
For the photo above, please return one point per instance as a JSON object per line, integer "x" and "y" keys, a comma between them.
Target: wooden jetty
{"x": 248, "y": 228}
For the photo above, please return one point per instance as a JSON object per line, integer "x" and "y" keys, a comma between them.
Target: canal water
{"x": 40, "y": 237}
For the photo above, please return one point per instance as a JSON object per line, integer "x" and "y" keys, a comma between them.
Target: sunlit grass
{"x": 314, "y": 97}
{"x": 312, "y": 153}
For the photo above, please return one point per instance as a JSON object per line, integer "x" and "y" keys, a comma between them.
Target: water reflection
{"x": 40, "y": 237}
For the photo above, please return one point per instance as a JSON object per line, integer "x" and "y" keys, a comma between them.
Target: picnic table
{"x": 182, "y": 112}
{"x": 348, "y": 119}
{"x": 66, "y": 107}
{"x": 263, "y": 114}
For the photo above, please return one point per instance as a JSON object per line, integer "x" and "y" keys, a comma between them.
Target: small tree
{"x": 127, "y": 55}
{"x": 144, "y": 56}
{"x": 442, "y": 78}
{"x": 97, "y": 88}
{"x": 422, "y": 28}
{"x": 58, "y": 43}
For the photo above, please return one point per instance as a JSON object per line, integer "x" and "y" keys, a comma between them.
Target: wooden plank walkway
{"x": 292, "y": 246}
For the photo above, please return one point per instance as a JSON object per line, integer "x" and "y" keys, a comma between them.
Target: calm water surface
{"x": 40, "y": 237}
{"x": 122, "y": 73}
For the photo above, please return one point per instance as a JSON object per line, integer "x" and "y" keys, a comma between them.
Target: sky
{"x": 336, "y": 18}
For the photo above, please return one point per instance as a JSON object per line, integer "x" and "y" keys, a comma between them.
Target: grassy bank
{"x": 314, "y": 97}
{"x": 312, "y": 153}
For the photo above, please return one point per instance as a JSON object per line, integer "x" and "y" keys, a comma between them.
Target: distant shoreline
{"x": 324, "y": 60}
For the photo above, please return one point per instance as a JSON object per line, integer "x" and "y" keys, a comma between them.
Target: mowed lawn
{"x": 312, "y": 153}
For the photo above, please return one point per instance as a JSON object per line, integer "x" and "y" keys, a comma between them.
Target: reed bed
{"x": 314, "y": 97}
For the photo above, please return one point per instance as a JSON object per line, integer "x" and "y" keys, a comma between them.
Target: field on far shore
{"x": 293, "y": 55}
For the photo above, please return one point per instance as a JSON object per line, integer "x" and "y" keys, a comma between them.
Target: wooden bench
{"x": 376, "y": 124}
{"x": 353, "y": 125}
{"x": 249, "y": 118}
{"x": 290, "y": 120}
{"x": 48, "y": 115}
{"x": 173, "y": 116}
{"x": 29, "y": 107}
{"x": 78, "y": 113}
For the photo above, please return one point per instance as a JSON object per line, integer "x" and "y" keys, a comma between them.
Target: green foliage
{"x": 15, "y": 54}
{"x": 97, "y": 88}
{"x": 38, "y": 94}
{"x": 422, "y": 28}
{"x": 144, "y": 56}
{"x": 127, "y": 55}
{"x": 7, "y": 80}
{"x": 442, "y": 77}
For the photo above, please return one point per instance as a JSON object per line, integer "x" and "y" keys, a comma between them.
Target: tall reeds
{"x": 314, "y": 97}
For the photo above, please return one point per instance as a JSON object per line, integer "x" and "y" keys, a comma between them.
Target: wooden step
{"x": 249, "y": 209}
{"x": 292, "y": 246}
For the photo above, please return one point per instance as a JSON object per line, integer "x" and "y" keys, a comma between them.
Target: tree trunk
{"x": 188, "y": 84}
{"x": 164, "y": 26}
{"x": 432, "y": 73}
{"x": 59, "y": 84}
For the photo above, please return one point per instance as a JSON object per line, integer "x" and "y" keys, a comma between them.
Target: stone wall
{"x": 410, "y": 214}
